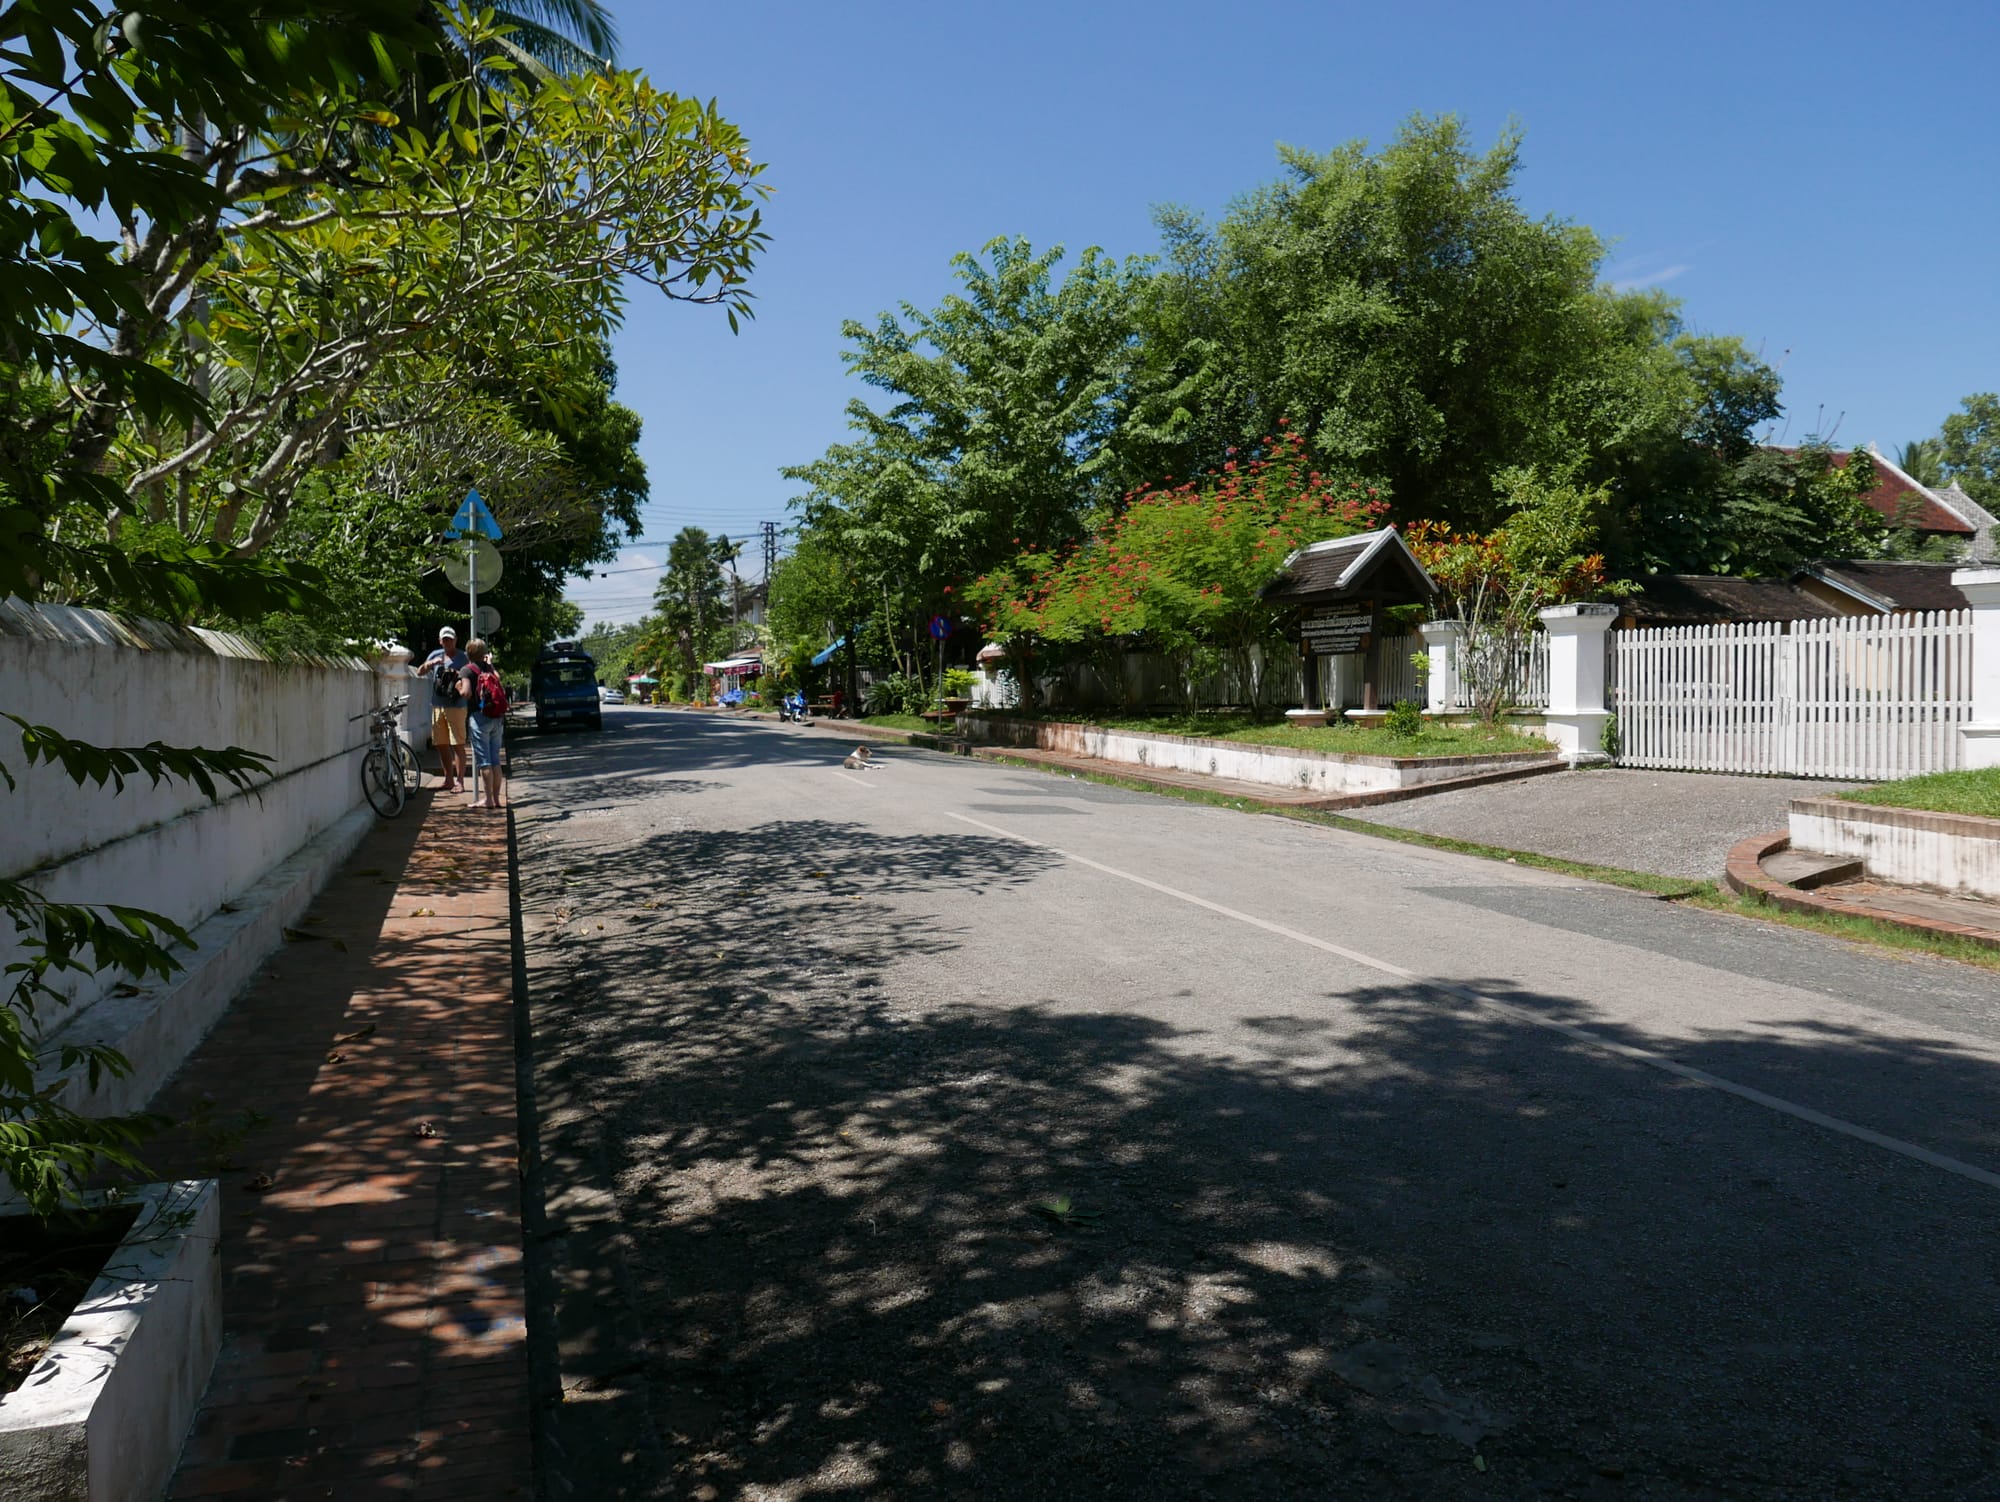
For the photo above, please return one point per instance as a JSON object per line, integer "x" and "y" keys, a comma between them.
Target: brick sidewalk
{"x": 374, "y": 1340}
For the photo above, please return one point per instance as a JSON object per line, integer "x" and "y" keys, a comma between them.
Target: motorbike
{"x": 793, "y": 708}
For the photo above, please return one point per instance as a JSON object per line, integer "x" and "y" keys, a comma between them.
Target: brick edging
{"x": 1297, "y": 753}
{"x": 1745, "y": 876}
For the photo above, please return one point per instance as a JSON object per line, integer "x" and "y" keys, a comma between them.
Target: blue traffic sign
{"x": 940, "y": 627}
{"x": 473, "y": 517}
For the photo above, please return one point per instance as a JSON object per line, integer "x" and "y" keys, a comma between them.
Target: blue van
{"x": 564, "y": 687}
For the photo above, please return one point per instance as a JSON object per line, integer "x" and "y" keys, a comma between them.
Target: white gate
{"x": 1864, "y": 697}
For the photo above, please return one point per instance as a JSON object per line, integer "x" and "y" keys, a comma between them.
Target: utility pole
{"x": 770, "y": 530}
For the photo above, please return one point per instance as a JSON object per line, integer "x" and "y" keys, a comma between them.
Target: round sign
{"x": 486, "y": 620}
{"x": 940, "y": 627}
{"x": 460, "y": 571}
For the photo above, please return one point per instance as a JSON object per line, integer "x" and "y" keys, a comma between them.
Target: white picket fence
{"x": 1865, "y": 697}
{"x": 1521, "y": 667}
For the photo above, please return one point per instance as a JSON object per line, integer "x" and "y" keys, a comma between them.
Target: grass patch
{"x": 1711, "y": 896}
{"x": 1342, "y": 738}
{"x": 896, "y": 722}
{"x": 1974, "y": 792}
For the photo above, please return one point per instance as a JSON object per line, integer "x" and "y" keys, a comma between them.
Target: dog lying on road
{"x": 857, "y": 760}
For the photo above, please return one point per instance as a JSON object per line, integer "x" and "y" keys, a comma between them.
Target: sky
{"x": 1822, "y": 180}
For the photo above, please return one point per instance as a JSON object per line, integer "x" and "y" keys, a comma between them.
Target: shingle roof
{"x": 1368, "y": 564}
{"x": 1904, "y": 586}
{"x": 1699, "y": 599}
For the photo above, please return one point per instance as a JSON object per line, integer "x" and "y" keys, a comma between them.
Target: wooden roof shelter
{"x": 1377, "y": 566}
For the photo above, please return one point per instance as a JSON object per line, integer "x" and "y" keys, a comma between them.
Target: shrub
{"x": 1404, "y": 719}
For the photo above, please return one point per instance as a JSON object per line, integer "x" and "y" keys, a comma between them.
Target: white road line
{"x": 1523, "y": 1014}
{"x": 849, "y": 777}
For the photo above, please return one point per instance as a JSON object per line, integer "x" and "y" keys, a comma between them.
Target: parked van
{"x": 564, "y": 687}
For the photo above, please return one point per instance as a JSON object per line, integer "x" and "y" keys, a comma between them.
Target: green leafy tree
{"x": 1496, "y": 584}
{"x": 1969, "y": 445}
{"x": 1406, "y": 312}
{"x": 1002, "y": 415}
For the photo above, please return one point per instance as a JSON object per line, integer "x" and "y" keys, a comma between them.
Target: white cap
{"x": 448, "y": 631}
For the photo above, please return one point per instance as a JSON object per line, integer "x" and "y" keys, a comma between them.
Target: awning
{"x": 822, "y": 658}
{"x": 734, "y": 667}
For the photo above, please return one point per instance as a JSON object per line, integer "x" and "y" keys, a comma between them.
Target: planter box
{"x": 103, "y": 1417}
{"x": 1275, "y": 766}
{"x": 1951, "y": 852}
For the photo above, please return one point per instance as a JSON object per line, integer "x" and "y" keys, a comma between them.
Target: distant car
{"x": 611, "y": 696}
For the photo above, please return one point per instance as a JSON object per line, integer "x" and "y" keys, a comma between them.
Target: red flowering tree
{"x": 1182, "y": 567}
{"x": 1497, "y": 583}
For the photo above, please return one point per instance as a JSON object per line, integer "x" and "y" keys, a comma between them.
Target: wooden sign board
{"x": 1331, "y": 630}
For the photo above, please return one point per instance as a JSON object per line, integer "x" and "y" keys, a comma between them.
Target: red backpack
{"x": 492, "y": 694}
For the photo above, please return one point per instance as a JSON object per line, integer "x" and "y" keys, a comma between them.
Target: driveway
{"x": 1669, "y": 823}
{"x": 950, "y": 1130}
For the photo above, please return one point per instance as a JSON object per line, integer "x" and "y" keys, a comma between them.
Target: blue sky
{"x": 1822, "y": 179}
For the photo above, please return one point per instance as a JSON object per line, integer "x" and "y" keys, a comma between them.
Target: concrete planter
{"x": 103, "y": 1418}
{"x": 1951, "y": 852}
{"x": 1275, "y": 766}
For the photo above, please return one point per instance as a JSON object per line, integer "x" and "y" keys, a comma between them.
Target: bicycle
{"x": 389, "y": 771}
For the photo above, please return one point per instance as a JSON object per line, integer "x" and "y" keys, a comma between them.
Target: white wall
{"x": 114, "y": 682}
{"x": 1952, "y": 852}
{"x": 1274, "y": 766}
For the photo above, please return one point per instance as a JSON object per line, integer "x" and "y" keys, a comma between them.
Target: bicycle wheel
{"x": 379, "y": 782}
{"x": 411, "y": 774}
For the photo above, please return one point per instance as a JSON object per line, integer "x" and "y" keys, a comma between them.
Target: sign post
{"x": 473, "y": 521}
{"x": 940, "y": 629}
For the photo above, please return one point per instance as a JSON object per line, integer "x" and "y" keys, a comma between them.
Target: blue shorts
{"x": 486, "y": 740}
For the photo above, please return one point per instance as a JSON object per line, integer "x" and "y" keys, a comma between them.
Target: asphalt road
{"x": 947, "y": 1130}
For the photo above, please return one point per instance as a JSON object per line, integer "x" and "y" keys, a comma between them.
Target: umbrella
{"x": 647, "y": 681}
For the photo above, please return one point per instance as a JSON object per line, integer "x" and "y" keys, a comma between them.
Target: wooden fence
{"x": 1866, "y": 697}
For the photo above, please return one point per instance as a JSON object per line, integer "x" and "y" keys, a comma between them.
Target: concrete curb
{"x": 1745, "y": 876}
{"x": 160, "y": 1024}
{"x": 106, "y": 1411}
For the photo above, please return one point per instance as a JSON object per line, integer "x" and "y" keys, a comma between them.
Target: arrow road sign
{"x": 472, "y": 516}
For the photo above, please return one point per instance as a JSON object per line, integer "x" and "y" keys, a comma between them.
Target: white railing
{"x": 1872, "y": 696}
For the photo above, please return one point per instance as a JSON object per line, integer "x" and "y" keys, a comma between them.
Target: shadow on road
{"x": 875, "y": 1245}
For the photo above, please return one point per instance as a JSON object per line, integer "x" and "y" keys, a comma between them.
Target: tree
{"x": 1970, "y": 448}
{"x": 1002, "y": 421}
{"x": 1179, "y": 567}
{"x": 692, "y": 599}
{"x": 1406, "y": 313}
{"x": 1496, "y": 584}
{"x": 1922, "y": 459}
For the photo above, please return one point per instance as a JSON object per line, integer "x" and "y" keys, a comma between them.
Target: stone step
{"x": 1806, "y": 869}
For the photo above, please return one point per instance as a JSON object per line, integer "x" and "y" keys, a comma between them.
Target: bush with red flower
{"x": 1180, "y": 568}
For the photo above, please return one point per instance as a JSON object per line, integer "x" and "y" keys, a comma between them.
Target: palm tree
{"x": 564, "y": 36}
{"x": 1922, "y": 459}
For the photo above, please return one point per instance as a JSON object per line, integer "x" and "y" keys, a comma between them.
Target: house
{"x": 1820, "y": 591}
{"x": 1941, "y": 511}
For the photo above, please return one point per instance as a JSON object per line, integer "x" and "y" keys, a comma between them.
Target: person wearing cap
{"x": 446, "y": 669}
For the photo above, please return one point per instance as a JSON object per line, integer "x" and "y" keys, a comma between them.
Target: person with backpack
{"x": 486, "y": 699}
{"x": 446, "y": 668}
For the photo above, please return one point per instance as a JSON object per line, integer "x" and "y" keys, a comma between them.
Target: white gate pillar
{"x": 1980, "y": 736}
{"x": 1441, "y": 640}
{"x": 1577, "y": 711}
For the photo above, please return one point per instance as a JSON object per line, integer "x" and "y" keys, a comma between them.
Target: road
{"x": 948, "y": 1130}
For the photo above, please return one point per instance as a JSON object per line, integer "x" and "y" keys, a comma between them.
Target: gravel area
{"x": 1668, "y": 823}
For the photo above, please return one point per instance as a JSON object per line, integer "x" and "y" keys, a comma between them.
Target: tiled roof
{"x": 1700, "y": 599}
{"x": 1905, "y": 501}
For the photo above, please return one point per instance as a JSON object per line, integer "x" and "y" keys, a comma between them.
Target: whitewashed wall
{"x": 168, "y": 848}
